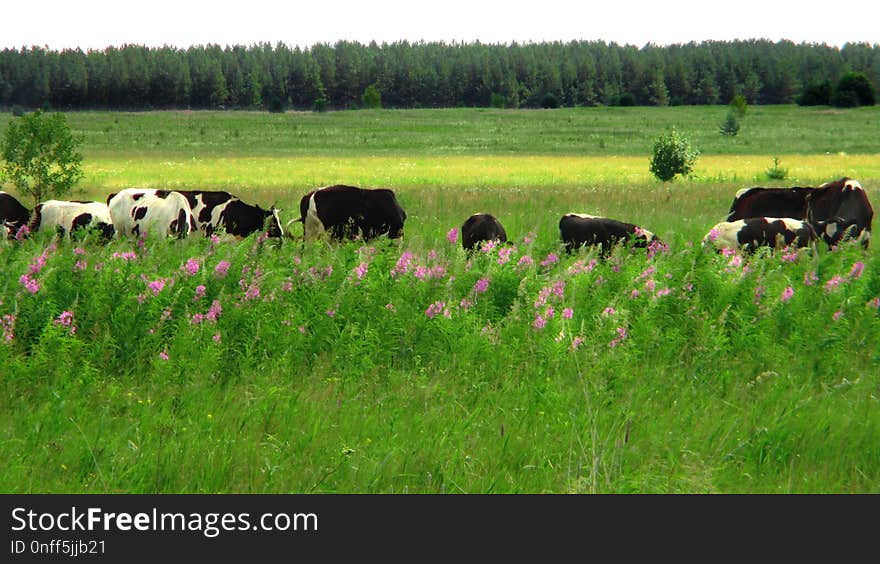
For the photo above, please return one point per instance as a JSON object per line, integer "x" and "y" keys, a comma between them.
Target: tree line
{"x": 426, "y": 74}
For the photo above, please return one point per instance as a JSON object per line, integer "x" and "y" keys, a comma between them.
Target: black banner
{"x": 239, "y": 528}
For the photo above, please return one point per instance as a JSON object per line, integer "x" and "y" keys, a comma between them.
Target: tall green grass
{"x": 386, "y": 368}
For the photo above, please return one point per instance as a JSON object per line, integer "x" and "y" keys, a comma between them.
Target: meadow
{"x": 274, "y": 366}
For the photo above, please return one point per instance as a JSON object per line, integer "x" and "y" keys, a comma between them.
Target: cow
{"x": 754, "y": 232}
{"x": 481, "y": 227}
{"x": 842, "y": 201}
{"x": 217, "y": 210}
{"x": 13, "y": 215}
{"x": 66, "y": 217}
{"x": 347, "y": 212}
{"x": 577, "y": 229}
{"x": 141, "y": 211}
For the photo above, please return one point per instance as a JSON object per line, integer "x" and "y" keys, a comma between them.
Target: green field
{"x": 406, "y": 367}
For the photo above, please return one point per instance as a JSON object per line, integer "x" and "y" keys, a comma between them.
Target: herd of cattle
{"x": 758, "y": 217}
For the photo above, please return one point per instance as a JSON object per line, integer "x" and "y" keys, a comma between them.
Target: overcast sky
{"x": 96, "y": 24}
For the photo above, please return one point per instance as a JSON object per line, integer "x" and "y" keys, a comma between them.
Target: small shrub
{"x": 17, "y": 111}
{"x": 372, "y": 98}
{"x": 549, "y": 101}
{"x": 816, "y": 94}
{"x": 627, "y": 99}
{"x": 739, "y": 106}
{"x": 854, "y": 86}
{"x": 321, "y": 105}
{"x": 672, "y": 155}
{"x": 497, "y": 100}
{"x": 730, "y": 126}
{"x": 776, "y": 172}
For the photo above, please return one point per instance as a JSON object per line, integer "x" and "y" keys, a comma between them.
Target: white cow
{"x": 66, "y": 217}
{"x": 142, "y": 211}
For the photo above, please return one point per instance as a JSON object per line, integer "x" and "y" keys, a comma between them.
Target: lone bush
{"x": 549, "y": 101}
{"x": 739, "y": 106}
{"x": 497, "y": 100}
{"x": 854, "y": 86}
{"x": 730, "y": 126}
{"x": 40, "y": 156}
{"x": 776, "y": 172}
{"x": 672, "y": 155}
{"x": 372, "y": 98}
{"x": 816, "y": 94}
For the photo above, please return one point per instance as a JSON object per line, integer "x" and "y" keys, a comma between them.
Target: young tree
{"x": 730, "y": 126}
{"x": 672, "y": 155}
{"x": 372, "y": 98}
{"x": 40, "y": 156}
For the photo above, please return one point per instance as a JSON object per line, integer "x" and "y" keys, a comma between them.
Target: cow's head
{"x": 273, "y": 223}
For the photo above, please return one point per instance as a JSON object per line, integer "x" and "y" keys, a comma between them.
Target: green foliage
{"x": 320, "y": 105}
{"x": 739, "y": 106}
{"x": 854, "y": 89}
{"x": 372, "y": 98}
{"x": 40, "y": 156}
{"x": 496, "y": 100}
{"x": 549, "y": 101}
{"x": 672, "y": 155}
{"x": 776, "y": 172}
{"x": 816, "y": 94}
{"x": 730, "y": 126}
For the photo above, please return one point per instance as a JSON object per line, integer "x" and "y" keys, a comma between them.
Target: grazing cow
{"x": 349, "y": 212}
{"x": 66, "y": 217}
{"x": 12, "y": 214}
{"x": 481, "y": 227}
{"x": 843, "y": 201}
{"x": 751, "y": 233}
{"x": 138, "y": 211}
{"x": 578, "y": 229}
{"x": 215, "y": 210}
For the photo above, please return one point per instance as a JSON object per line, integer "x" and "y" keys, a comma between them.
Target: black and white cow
{"x": 346, "y": 212}
{"x": 481, "y": 227}
{"x": 577, "y": 229}
{"x": 217, "y": 210}
{"x": 141, "y": 211}
{"x": 843, "y": 202}
{"x": 66, "y": 217}
{"x": 754, "y": 232}
{"x": 12, "y": 214}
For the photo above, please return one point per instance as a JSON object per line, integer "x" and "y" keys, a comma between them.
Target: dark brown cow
{"x": 346, "y": 212}
{"x": 842, "y": 202}
{"x": 481, "y": 227}
{"x": 578, "y": 229}
{"x": 13, "y": 215}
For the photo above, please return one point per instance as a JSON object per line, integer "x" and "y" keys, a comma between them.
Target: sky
{"x": 97, "y": 24}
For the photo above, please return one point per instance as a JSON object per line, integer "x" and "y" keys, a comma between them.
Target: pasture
{"x": 267, "y": 366}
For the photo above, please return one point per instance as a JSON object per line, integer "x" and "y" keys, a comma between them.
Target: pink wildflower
{"x": 452, "y": 235}
{"x": 79, "y": 251}
{"x": 214, "y": 311}
{"x": 786, "y": 294}
{"x": 481, "y": 286}
{"x": 875, "y": 303}
{"x": 609, "y": 311}
{"x": 810, "y": 278}
{"x": 435, "y": 308}
{"x": 222, "y": 268}
{"x": 390, "y": 307}
{"x": 539, "y": 321}
{"x": 402, "y": 264}
{"x": 191, "y": 267}
{"x": 576, "y": 342}
{"x": 216, "y": 337}
{"x": 525, "y": 262}
{"x": 550, "y": 260}
{"x": 567, "y": 313}
{"x": 857, "y": 269}
{"x": 80, "y": 265}
{"x": 361, "y": 270}
{"x": 7, "y": 325}
{"x": 163, "y": 355}
{"x": 200, "y": 292}
{"x": 833, "y": 283}
{"x": 30, "y": 284}
{"x": 156, "y": 286}
{"x": 837, "y": 315}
